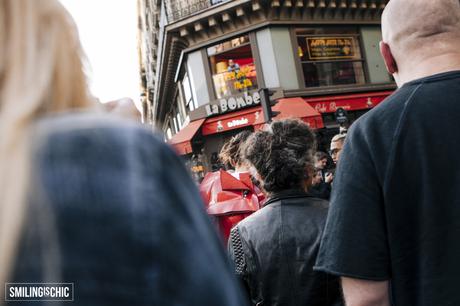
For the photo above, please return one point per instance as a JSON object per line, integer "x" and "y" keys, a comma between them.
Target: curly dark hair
{"x": 230, "y": 154}
{"x": 282, "y": 155}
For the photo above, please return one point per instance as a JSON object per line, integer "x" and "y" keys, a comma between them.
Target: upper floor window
{"x": 330, "y": 56}
{"x": 190, "y": 102}
{"x": 232, "y": 67}
{"x": 168, "y": 133}
{"x": 214, "y": 2}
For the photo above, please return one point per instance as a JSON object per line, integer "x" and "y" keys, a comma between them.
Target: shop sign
{"x": 347, "y": 103}
{"x": 341, "y": 116}
{"x": 230, "y": 123}
{"x": 233, "y": 103}
{"x": 327, "y": 48}
{"x": 237, "y": 122}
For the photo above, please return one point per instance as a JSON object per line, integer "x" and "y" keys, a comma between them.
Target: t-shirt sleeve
{"x": 354, "y": 242}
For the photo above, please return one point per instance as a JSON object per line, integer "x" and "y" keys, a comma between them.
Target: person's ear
{"x": 388, "y": 58}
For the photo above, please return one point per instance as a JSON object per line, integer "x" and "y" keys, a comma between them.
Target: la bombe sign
{"x": 233, "y": 103}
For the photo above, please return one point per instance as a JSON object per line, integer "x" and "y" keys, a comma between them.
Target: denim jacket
{"x": 113, "y": 210}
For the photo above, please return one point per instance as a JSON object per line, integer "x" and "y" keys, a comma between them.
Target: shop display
{"x": 232, "y": 66}
{"x": 330, "y": 56}
{"x": 232, "y": 78}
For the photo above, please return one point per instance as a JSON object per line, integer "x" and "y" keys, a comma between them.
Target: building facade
{"x": 204, "y": 63}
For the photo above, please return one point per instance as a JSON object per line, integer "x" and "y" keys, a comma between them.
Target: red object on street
{"x": 229, "y": 199}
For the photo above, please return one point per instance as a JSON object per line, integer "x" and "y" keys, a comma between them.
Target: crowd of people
{"x": 93, "y": 199}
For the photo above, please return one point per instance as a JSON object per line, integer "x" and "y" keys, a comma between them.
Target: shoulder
{"x": 387, "y": 113}
{"x": 374, "y": 132}
{"x": 101, "y": 152}
{"x": 266, "y": 216}
{"x": 318, "y": 203}
{"x": 94, "y": 134}
{"x": 258, "y": 220}
{"x": 90, "y": 125}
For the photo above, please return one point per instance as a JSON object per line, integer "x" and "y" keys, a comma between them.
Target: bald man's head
{"x": 421, "y": 28}
{"x": 409, "y": 22}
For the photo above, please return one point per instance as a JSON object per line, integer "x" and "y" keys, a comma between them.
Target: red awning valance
{"x": 352, "y": 102}
{"x": 232, "y": 121}
{"x": 287, "y": 108}
{"x": 182, "y": 141}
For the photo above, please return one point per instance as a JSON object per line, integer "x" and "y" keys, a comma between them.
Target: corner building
{"x": 203, "y": 63}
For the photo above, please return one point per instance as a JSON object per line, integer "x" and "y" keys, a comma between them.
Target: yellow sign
{"x": 325, "y": 48}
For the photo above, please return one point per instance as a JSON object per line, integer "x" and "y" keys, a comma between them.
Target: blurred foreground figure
{"x": 275, "y": 248}
{"x": 88, "y": 198}
{"x": 393, "y": 227}
{"x": 124, "y": 108}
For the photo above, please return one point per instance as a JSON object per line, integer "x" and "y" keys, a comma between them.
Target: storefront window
{"x": 330, "y": 56}
{"x": 232, "y": 67}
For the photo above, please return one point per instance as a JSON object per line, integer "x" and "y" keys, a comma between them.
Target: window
{"x": 330, "y": 56}
{"x": 189, "y": 101}
{"x": 168, "y": 133}
{"x": 176, "y": 125}
{"x": 232, "y": 67}
{"x": 181, "y": 112}
{"x": 214, "y": 2}
{"x": 179, "y": 121}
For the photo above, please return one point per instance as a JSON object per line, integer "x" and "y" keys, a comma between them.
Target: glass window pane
{"x": 179, "y": 121}
{"x": 233, "y": 67}
{"x": 317, "y": 48}
{"x": 186, "y": 86}
{"x": 229, "y": 44}
{"x": 176, "y": 128}
{"x": 169, "y": 133}
{"x": 330, "y": 56}
{"x": 191, "y": 105}
{"x": 333, "y": 73}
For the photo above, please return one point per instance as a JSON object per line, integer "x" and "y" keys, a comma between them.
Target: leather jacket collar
{"x": 286, "y": 194}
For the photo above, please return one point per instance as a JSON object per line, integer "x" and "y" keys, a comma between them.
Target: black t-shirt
{"x": 395, "y": 205}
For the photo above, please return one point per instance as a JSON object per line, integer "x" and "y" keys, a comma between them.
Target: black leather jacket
{"x": 274, "y": 251}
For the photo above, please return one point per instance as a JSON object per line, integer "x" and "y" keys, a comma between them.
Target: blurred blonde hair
{"x": 41, "y": 72}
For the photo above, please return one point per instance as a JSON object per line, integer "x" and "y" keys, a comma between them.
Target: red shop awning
{"x": 298, "y": 108}
{"x": 182, "y": 141}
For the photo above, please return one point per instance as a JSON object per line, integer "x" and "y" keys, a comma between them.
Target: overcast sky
{"x": 108, "y": 30}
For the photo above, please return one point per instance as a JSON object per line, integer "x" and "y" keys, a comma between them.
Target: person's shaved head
{"x": 417, "y": 30}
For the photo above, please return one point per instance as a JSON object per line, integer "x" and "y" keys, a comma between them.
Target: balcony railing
{"x": 178, "y": 9}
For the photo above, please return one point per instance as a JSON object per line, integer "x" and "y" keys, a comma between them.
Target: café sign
{"x": 327, "y": 48}
{"x": 233, "y": 103}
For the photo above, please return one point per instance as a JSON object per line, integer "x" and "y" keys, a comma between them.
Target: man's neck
{"x": 427, "y": 67}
